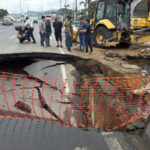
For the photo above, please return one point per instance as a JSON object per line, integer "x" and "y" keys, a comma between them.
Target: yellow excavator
{"x": 140, "y": 14}
{"x": 113, "y": 25}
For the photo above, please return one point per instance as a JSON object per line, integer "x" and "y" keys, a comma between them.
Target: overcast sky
{"x": 13, "y": 6}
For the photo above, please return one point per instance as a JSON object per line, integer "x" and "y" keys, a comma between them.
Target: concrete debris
{"x": 145, "y": 51}
{"x": 128, "y": 66}
{"x": 130, "y": 128}
{"x": 147, "y": 43}
{"x": 144, "y": 72}
{"x": 118, "y": 62}
{"x": 134, "y": 46}
{"x": 110, "y": 59}
{"x": 146, "y": 90}
{"x": 139, "y": 124}
{"x": 112, "y": 54}
{"x": 24, "y": 107}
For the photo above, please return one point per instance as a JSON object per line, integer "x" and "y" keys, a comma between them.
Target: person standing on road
{"x": 48, "y": 32}
{"x": 58, "y": 32}
{"x": 30, "y": 28}
{"x": 69, "y": 34}
{"x": 42, "y": 26}
{"x": 88, "y": 36}
{"x": 65, "y": 25}
{"x": 82, "y": 28}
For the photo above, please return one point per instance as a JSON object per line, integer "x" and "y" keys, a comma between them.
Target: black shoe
{"x": 61, "y": 46}
{"x": 34, "y": 42}
{"x": 57, "y": 46}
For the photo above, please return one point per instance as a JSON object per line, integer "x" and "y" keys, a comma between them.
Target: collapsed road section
{"x": 33, "y": 87}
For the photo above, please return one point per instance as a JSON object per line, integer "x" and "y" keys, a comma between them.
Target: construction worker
{"x": 29, "y": 26}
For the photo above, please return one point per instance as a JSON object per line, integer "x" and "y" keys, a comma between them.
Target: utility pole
{"x": 21, "y": 8}
{"x": 60, "y": 4}
{"x": 76, "y": 9}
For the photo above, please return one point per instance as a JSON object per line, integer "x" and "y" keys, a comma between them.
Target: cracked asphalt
{"x": 36, "y": 135}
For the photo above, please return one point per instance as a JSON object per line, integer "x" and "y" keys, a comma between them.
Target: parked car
{"x": 35, "y": 21}
{"x": 7, "y": 22}
{"x": 76, "y": 23}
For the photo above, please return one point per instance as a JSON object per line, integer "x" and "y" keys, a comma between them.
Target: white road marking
{"x": 111, "y": 141}
{"x": 12, "y": 37}
{"x": 81, "y": 148}
{"x": 106, "y": 133}
{"x": 64, "y": 73}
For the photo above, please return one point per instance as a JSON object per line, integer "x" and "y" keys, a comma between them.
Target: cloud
{"x": 13, "y": 6}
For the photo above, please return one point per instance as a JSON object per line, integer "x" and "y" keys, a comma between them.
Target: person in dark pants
{"x": 42, "y": 26}
{"x": 69, "y": 34}
{"x": 48, "y": 32}
{"x": 58, "y": 32}
{"x": 82, "y": 34}
{"x": 88, "y": 36}
{"x": 30, "y": 29}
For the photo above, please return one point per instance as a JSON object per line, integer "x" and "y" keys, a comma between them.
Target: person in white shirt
{"x": 30, "y": 27}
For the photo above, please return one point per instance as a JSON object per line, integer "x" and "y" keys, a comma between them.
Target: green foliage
{"x": 3, "y": 13}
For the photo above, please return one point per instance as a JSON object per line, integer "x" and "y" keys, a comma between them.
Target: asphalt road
{"x": 37, "y": 135}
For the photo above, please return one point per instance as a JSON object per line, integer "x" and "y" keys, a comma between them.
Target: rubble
{"x": 112, "y": 54}
{"x": 130, "y": 128}
{"x": 128, "y": 66}
{"x": 144, "y": 72}
{"x": 139, "y": 124}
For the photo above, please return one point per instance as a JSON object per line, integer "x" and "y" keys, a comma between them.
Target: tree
{"x": 86, "y": 4}
{"x": 3, "y": 13}
{"x": 66, "y": 6}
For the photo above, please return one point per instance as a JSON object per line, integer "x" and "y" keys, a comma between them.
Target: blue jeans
{"x": 88, "y": 44}
{"x": 68, "y": 42}
{"x": 42, "y": 38}
{"x": 82, "y": 41}
{"x": 66, "y": 38}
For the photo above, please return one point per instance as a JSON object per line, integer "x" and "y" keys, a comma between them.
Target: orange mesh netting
{"x": 104, "y": 103}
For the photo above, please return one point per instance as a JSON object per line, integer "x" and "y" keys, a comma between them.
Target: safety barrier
{"x": 104, "y": 103}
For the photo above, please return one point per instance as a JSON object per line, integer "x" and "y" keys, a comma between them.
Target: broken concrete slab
{"x": 112, "y": 54}
{"x": 130, "y": 128}
{"x": 129, "y": 66}
{"x": 139, "y": 124}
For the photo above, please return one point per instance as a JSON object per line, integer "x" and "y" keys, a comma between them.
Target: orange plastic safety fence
{"x": 104, "y": 103}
